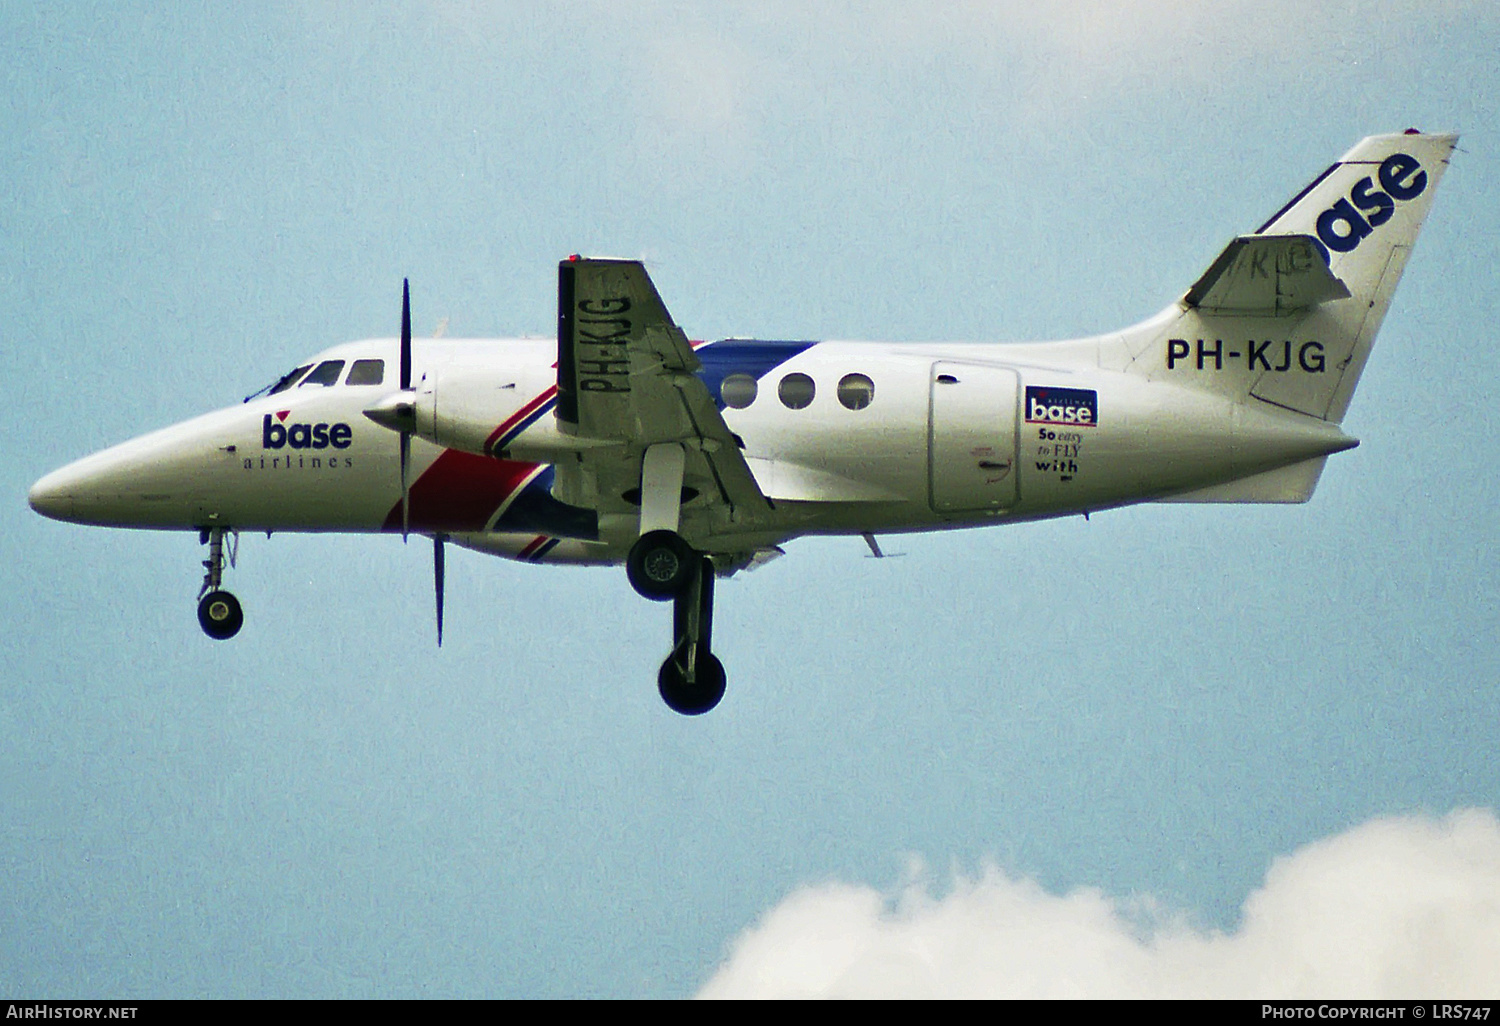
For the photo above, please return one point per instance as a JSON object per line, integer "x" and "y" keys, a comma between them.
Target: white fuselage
{"x": 921, "y": 437}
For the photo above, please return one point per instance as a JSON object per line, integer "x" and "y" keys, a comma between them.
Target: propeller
{"x": 398, "y": 411}
{"x": 406, "y": 391}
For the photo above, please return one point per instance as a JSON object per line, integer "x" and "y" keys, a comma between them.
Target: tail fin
{"x": 1288, "y": 315}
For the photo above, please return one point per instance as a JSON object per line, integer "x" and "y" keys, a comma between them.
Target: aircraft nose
{"x": 52, "y": 496}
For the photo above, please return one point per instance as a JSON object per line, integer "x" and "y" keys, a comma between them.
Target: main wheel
{"x": 220, "y": 615}
{"x": 661, "y": 565}
{"x": 696, "y": 698}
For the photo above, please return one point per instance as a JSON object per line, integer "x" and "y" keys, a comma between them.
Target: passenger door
{"x": 972, "y": 437}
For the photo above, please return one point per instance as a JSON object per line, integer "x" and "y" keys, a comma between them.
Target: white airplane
{"x": 623, "y": 442}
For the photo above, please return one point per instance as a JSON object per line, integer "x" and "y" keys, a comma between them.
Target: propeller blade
{"x": 405, "y": 334}
{"x": 437, "y": 581}
{"x": 405, "y": 491}
{"x": 405, "y": 388}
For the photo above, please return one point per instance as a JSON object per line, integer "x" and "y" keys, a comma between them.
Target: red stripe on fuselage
{"x": 460, "y": 492}
{"x": 518, "y": 416}
{"x": 532, "y": 546}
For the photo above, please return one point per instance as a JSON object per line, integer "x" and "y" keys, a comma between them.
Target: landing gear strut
{"x": 661, "y": 566}
{"x": 691, "y": 680}
{"x": 219, "y": 612}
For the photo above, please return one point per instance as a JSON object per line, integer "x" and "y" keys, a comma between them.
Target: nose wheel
{"x": 219, "y": 612}
{"x": 220, "y": 615}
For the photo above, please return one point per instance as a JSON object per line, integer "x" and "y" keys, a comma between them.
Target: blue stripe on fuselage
{"x": 525, "y": 422}
{"x": 535, "y": 509}
{"x": 755, "y": 357}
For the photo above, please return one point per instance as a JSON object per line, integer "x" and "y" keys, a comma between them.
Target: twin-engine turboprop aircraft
{"x": 624, "y": 442}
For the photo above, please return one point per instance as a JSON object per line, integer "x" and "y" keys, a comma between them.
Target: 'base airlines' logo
{"x": 1342, "y": 228}
{"x": 1078, "y": 407}
{"x": 274, "y": 435}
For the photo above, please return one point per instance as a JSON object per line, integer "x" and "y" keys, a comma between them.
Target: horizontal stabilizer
{"x": 1266, "y": 276}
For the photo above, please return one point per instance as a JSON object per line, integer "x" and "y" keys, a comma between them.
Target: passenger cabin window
{"x": 796, "y": 391}
{"x": 366, "y": 372}
{"x": 327, "y": 373}
{"x": 856, "y": 391}
{"x": 738, "y": 391}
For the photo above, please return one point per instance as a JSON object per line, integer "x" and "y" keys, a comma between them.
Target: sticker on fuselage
{"x": 1055, "y": 411}
{"x": 1070, "y": 407}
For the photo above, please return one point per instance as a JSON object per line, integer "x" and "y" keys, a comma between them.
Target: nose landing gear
{"x": 219, "y": 612}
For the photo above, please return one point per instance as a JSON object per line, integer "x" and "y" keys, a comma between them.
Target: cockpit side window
{"x": 366, "y": 372}
{"x": 327, "y": 373}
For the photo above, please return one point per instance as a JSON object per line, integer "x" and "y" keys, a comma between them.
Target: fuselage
{"x": 843, "y": 437}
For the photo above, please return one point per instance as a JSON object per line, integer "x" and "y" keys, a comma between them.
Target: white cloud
{"x": 1400, "y": 907}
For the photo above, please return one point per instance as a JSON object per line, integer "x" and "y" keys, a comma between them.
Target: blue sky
{"x": 1144, "y": 711}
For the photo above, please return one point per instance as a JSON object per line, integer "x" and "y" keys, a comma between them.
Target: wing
{"x": 626, "y": 381}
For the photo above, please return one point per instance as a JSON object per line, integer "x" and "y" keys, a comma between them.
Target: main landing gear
{"x": 663, "y": 566}
{"x": 219, "y": 612}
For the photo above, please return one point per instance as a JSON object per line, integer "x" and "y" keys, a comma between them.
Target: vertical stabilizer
{"x": 1287, "y": 316}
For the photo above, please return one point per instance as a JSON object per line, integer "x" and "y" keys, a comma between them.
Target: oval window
{"x": 856, "y": 391}
{"x": 738, "y": 390}
{"x": 796, "y": 391}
